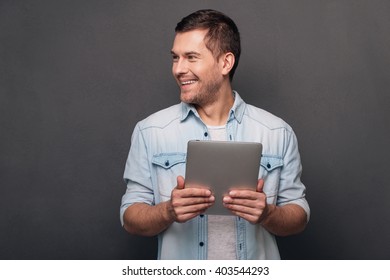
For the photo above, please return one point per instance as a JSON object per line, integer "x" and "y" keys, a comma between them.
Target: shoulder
{"x": 265, "y": 118}
{"x": 162, "y": 118}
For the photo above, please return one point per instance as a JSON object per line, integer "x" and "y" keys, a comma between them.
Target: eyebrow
{"x": 187, "y": 53}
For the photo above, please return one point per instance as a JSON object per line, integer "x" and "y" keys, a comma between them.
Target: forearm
{"x": 284, "y": 220}
{"x": 147, "y": 220}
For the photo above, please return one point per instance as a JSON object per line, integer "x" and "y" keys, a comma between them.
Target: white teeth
{"x": 188, "y": 82}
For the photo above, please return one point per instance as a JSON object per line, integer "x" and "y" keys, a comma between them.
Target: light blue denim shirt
{"x": 158, "y": 155}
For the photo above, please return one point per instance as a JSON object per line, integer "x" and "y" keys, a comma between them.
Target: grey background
{"x": 75, "y": 77}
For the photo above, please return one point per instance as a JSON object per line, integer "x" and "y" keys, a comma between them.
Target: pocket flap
{"x": 167, "y": 160}
{"x": 271, "y": 162}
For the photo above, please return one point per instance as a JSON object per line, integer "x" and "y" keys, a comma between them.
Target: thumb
{"x": 180, "y": 182}
{"x": 260, "y": 185}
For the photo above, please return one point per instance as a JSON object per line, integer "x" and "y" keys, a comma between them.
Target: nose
{"x": 179, "y": 67}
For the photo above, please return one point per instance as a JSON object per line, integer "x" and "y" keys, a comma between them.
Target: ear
{"x": 228, "y": 60}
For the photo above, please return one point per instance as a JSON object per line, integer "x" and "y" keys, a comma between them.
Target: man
{"x": 205, "y": 53}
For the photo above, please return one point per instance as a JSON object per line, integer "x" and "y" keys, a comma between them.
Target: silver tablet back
{"x": 221, "y": 166}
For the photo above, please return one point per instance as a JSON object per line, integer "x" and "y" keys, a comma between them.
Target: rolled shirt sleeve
{"x": 137, "y": 174}
{"x": 291, "y": 189}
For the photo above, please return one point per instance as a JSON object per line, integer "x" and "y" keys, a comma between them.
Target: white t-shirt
{"x": 221, "y": 229}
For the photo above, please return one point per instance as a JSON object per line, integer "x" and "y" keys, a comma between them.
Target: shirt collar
{"x": 237, "y": 110}
{"x": 186, "y": 109}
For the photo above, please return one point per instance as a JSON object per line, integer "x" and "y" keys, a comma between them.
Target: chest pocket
{"x": 270, "y": 169}
{"x": 167, "y": 167}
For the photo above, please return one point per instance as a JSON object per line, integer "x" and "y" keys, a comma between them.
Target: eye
{"x": 192, "y": 58}
{"x": 175, "y": 58}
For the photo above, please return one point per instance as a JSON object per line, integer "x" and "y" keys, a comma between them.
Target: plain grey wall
{"x": 75, "y": 77}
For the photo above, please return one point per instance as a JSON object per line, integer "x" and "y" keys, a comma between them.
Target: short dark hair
{"x": 222, "y": 36}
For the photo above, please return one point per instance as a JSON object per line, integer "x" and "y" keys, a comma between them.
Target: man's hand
{"x": 248, "y": 204}
{"x": 187, "y": 203}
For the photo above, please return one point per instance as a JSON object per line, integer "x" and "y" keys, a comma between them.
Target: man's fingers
{"x": 253, "y": 207}
{"x": 253, "y": 219}
{"x": 192, "y": 190}
{"x": 246, "y": 194}
{"x": 196, "y": 209}
{"x": 191, "y": 193}
{"x": 247, "y": 204}
{"x": 185, "y": 213}
{"x": 186, "y": 201}
{"x": 260, "y": 185}
{"x": 180, "y": 182}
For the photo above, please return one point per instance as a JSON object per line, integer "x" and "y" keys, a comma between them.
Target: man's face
{"x": 196, "y": 70}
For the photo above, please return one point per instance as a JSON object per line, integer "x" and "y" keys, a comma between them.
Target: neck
{"x": 217, "y": 113}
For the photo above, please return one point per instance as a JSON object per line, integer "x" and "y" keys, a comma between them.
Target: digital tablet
{"x": 221, "y": 166}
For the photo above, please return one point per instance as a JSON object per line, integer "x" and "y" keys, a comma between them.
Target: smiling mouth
{"x": 185, "y": 83}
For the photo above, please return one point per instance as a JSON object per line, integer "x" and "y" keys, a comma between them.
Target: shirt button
{"x": 201, "y": 244}
{"x": 268, "y": 165}
{"x": 201, "y": 215}
{"x": 206, "y": 134}
{"x": 167, "y": 163}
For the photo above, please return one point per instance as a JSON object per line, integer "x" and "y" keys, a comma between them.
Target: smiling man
{"x": 203, "y": 78}
{"x": 205, "y": 55}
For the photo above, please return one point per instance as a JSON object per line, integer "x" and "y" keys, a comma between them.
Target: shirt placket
{"x": 241, "y": 239}
{"x": 202, "y": 237}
